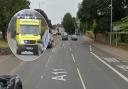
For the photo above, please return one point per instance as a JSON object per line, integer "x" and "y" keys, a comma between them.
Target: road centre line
{"x": 70, "y": 49}
{"x": 41, "y": 76}
{"x": 81, "y": 78}
{"x": 117, "y": 72}
{"x": 46, "y": 65}
{"x": 79, "y": 73}
{"x": 63, "y": 45}
{"x": 73, "y": 58}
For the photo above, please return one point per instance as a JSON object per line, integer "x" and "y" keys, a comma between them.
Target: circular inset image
{"x": 28, "y": 34}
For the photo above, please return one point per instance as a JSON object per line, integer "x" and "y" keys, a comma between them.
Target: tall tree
{"x": 7, "y": 9}
{"x": 68, "y": 23}
{"x": 119, "y": 9}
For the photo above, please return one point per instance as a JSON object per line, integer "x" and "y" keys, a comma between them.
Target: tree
{"x": 119, "y": 9}
{"x": 95, "y": 14}
{"x": 45, "y": 16}
{"x": 7, "y": 9}
{"x": 68, "y": 23}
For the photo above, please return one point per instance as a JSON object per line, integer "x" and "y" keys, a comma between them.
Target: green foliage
{"x": 68, "y": 23}
{"x": 7, "y": 9}
{"x": 75, "y": 23}
{"x": 119, "y": 10}
{"x": 100, "y": 10}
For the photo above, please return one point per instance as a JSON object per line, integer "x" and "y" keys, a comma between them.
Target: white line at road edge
{"x": 117, "y": 72}
{"x": 81, "y": 78}
{"x": 73, "y": 58}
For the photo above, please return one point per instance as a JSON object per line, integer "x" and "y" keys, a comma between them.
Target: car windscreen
{"x": 29, "y": 29}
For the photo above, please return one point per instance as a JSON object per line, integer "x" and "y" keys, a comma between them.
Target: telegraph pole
{"x": 111, "y": 23}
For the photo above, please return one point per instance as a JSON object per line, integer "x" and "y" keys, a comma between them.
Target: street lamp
{"x": 40, "y": 4}
{"x": 111, "y": 23}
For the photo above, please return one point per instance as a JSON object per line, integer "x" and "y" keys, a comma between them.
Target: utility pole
{"x": 39, "y": 5}
{"x": 111, "y": 23}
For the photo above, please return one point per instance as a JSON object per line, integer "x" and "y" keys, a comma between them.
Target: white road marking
{"x": 111, "y": 60}
{"x": 59, "y": 74}
{"x": 81, "y": 78}
{"x": 58, "y": 69}
{"x": 73, "y": 58}
{"x": 63, "y": 45}
{"x": 41, "y": 76}
{"x": 79, "y": 73}
{"x": 124, "y": 67}
{"x": 60, "y": 77}
{"x": 117, "y": 72}
{"x": 46, "y": 65}
{"x": 70, "y": 49}
{"x": 90, "y": 48}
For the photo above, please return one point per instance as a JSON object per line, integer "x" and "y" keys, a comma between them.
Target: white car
{"x": 74, "y": 37}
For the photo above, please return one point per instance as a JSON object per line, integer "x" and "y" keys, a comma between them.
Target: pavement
{"x": 70, "y": 65}
{"x": 109, "y": 49}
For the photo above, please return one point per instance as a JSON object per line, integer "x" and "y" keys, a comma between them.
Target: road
{"x": 70, "y": 65}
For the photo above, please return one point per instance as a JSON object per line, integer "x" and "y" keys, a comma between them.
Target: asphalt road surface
{"x": 70, "y": 65}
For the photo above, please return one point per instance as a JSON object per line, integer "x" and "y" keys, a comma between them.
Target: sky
{"x": 56, "y": 9}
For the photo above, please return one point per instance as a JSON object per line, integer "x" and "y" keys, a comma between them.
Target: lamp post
{"x": 111, "y": 23}
{"x": 40, "y": 4}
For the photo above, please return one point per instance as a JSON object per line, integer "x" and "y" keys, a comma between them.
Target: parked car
{"x": 51, "y": 40}
{"x": 54, "y": 33}
{"x": 64, "y": 36}
{"x": 74, "y": 37}
{"x": 10, "y": 82}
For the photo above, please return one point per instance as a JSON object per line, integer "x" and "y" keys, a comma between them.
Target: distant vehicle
{"x": 51, "y": 40}
{"x": 64, "y": 36}
{"x": 58, "y": 33}
{"x": 54, "y": 33}
{"x": 10, "y": 82}
{"x": 74, "y": 37}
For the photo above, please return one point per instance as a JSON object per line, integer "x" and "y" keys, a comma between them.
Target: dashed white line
{"x": 73, "y": 58}
{"x": 63, "y": 45}
{"x": 90, "y": 48}
{"x": 81, "y": 78}
{"x": 79, "y": 73}
{"x": 58, "y": 69}
{"x": 117, "y": 72}
{"x": 70, "y": 49}
{"x": 53, "y": 50}
{"x": 41, "y": 76}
